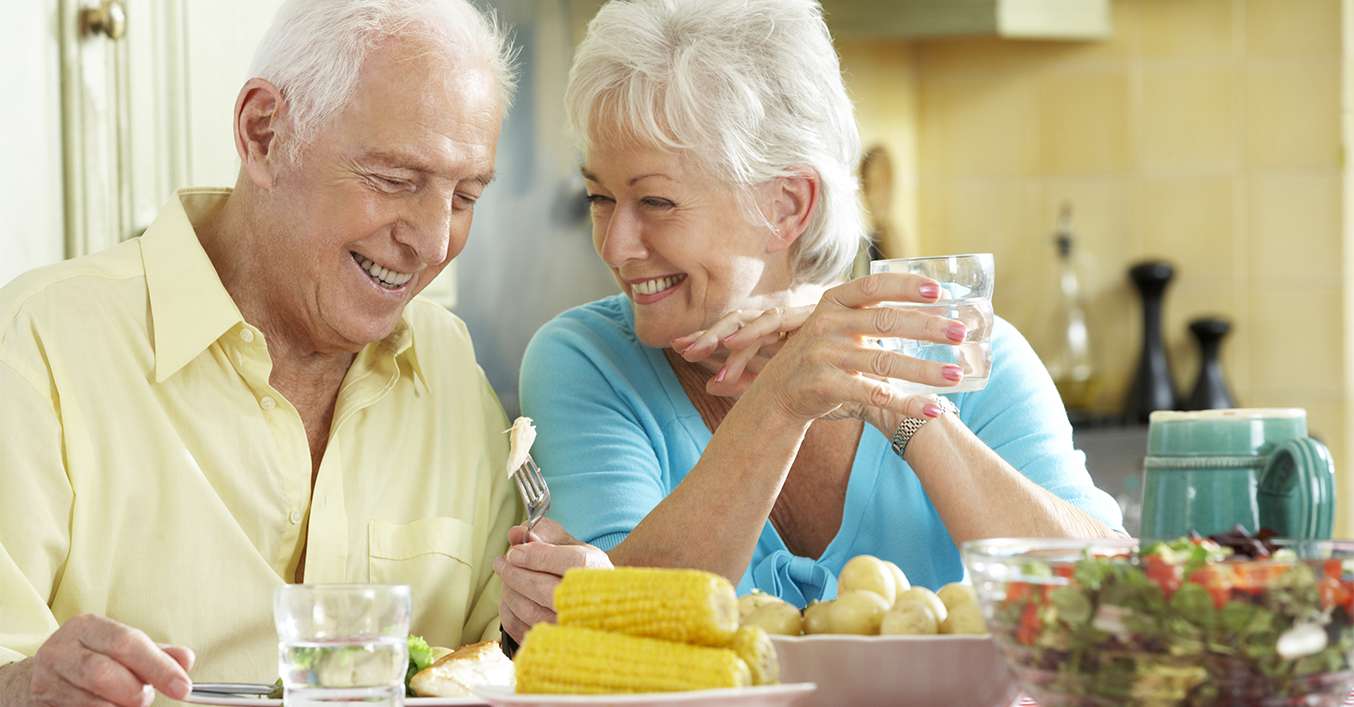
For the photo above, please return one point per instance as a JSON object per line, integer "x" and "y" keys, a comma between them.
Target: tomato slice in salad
{"x": 1028, "y": 630}
{"x": 1163, "y": 573}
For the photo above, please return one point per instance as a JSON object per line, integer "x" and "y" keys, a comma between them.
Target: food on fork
{"x": 457, "y": 673}
{"x": 574, "y": 660}
{"x": 520, "y": 438}
{"x": 687, "y": 606}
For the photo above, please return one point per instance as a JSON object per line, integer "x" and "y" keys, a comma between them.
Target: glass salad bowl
{"x": 1233, "y": 620}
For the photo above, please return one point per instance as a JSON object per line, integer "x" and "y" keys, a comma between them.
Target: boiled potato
{"x": 925, "y": 597}
{"x": 756, "y": 600}
{"x": 776, "y": 617}
{"x": 910, "y": 619}
{"x": 816, "y": 618}
{"x": 900, "y": 583}
{"x": 957, "y": 594}
{"x": 858, "y": 612}
{"x": 964, "y": 618}
{"x": 868, "y": 573}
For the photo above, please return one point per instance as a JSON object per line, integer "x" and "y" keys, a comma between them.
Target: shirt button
{"x": 294, "y": 517}
{"x": 247, "y": 335}
{"x": 267, "y": 403}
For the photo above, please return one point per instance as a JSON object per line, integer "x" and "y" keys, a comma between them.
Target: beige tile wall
{"x": 1207, "y": 132}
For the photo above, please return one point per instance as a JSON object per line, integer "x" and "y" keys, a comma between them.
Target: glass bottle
{"x": 1069, "y": 361}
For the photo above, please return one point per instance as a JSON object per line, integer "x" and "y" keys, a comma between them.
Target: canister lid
{"x": 1241, "y": 431}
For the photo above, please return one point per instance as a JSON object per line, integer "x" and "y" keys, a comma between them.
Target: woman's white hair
{"x": 314, "y": 49}
{"x": 751, "y": 88}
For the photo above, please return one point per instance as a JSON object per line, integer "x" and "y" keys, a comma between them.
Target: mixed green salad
{"x": 1196, "y": 621}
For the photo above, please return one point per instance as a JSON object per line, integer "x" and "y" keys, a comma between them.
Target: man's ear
{"x": 259, "y": 114}
{"x": 792, "y": 201}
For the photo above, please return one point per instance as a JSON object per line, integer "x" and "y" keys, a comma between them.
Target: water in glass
{"x": 974, "y": 355}
{"x": 360, "y": 671}
{"x": 342, "y": 643}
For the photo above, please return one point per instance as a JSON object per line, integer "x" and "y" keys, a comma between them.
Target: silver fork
{"x": 535, "y": 493}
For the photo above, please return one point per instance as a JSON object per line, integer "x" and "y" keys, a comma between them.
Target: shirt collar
{"x": 190, "y": 309}
{"x": 400, "y": 345}
{"x": 189, "y": 306}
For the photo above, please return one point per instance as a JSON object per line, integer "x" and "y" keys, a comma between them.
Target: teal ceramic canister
{"x": 1212, "y": 470}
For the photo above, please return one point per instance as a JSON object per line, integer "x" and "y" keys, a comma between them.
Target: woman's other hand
{"x": 531, "y": 569}
{"x": 833, "y": 369}
{"x": 739, "y": 345}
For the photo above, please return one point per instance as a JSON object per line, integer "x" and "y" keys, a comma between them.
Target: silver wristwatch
{"x": 909, "y": 426}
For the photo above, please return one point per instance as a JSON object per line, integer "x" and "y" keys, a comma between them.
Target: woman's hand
{"x": 531, "y": 570}
{"x": 739, "y": 345}
{"x": 832, "y": 369}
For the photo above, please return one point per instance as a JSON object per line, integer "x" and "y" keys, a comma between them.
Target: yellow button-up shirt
{"x": 149, "y": 472}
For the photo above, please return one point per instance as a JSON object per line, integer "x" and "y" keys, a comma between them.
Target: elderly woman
{"x": 677, "y": 426}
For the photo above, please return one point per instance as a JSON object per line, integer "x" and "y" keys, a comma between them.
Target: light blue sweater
{"x": 617, "y": 434}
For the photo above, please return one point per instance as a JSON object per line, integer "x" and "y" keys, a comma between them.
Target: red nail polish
{"x": 722, "y": 372}
{"x": 930, "y": 291}
{"x": 956, "y": 332}
{"x": 953, "y": 373}
{"x": 931, "y": 410}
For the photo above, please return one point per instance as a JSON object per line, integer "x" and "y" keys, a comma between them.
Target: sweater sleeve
{"x": 1021, "y": 417}
{"x": 598, "y": 445}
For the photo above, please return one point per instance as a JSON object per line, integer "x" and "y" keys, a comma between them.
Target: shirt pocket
{"x": 435, "y": 557}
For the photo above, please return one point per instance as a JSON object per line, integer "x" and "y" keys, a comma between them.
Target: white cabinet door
{"x": 122, "y": 118}
{"x": 30, "y": 139}
{"x": 132, "y": 99}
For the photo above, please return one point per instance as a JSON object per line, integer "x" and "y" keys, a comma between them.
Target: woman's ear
{"x": 792, "y": 200}
{"x": 259, "y": 114}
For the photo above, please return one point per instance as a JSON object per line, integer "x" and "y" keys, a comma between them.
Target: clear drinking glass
{"x": 966, "y": 283}
{"x": 342, "y": 643}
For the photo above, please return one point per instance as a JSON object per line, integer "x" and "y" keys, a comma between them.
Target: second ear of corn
{"x": 569, "y": 660}
{"x": 630, "y": 630}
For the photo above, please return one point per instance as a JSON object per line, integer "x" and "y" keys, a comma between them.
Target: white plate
{"x": 763, "y": 696}
{"x": 266, "y": 702}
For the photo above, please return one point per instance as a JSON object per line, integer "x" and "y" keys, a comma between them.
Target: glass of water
{"x": 342, "y": 643}
{"x": 966, "y": 283}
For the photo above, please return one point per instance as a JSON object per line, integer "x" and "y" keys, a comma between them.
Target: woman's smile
{"x": 655, "y": 289}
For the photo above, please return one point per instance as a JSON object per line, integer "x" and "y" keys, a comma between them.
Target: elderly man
{"x": 249, "y": 394}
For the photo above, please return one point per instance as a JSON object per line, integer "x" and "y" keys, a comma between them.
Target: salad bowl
{"x": 1229, "y": 620}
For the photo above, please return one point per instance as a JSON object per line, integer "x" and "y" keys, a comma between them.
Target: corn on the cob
{"x": 754, "y": 646}
{"x": 571, "y": 660}
{"x": 686, "y": 606}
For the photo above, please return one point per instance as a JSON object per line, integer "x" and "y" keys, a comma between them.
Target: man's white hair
{"x": 751, "y": 88}
{"x": 314, "y": 49}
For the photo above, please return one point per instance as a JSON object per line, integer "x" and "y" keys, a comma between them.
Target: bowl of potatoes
{"x": 883, "y": 641}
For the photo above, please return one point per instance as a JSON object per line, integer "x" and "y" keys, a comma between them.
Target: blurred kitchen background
{"x": 1205, "y": 134}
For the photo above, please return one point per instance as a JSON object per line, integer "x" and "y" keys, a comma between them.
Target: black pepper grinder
{"x": 1210, "y": 389}
{"x": 1153, "y": 386}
